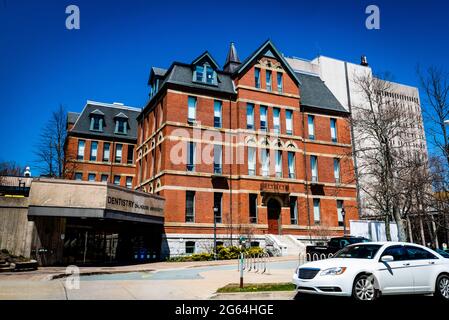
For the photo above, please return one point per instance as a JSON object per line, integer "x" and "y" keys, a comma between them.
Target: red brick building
{"x": 100, "y": 143}
{"x": 269, "y": 148}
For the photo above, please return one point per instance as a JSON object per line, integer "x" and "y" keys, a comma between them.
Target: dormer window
{"x": 96, "y": 120}
{"x": 205, "y": 73}
{"x": 121, "y": 123}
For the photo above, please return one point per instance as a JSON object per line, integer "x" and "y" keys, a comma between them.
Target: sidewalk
{"x": 50, "y": 273}
{"x": 165, "y": 281}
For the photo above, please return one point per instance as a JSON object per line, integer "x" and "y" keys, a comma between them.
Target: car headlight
{"x": 333, "y": 271}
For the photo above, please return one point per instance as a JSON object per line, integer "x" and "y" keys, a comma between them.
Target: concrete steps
{"x": 286, "y": 245}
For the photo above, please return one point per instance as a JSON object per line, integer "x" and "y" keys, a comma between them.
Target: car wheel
{"x": 442, "y": 287}
{"x": 364, "y": 289}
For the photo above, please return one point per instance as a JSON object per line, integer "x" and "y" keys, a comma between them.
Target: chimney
{"x": 364, "y": 61}
{"x": 232, "y": 60}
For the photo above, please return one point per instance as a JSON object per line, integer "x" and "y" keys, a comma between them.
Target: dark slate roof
{"x": 315, "y": 94}
{"x": 182, "y": 74}
{"x": 159, "y": 71}
{"x": 110, "y": 111}
{"x": 72, "y": 117}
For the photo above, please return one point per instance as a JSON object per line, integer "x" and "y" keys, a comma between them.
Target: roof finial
{"x": 232, "y": 60}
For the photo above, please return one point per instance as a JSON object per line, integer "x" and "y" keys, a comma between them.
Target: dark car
{"x": 333, "y": 245}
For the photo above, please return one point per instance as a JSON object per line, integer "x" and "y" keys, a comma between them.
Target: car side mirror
{"x": 387, "y": 258}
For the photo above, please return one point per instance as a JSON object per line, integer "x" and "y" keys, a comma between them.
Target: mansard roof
{"x": 110, "y": 111}
{"x": 315, "y": 94}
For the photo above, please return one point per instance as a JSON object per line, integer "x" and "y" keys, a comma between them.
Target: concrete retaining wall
{"x": 15, "y": 229}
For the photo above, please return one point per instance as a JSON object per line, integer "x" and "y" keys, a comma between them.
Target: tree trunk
{"x": 387, "y": 227}
{"x": 402, "y": 233}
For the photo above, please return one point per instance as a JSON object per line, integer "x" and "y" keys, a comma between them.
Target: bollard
{"x": 241, "y": 271}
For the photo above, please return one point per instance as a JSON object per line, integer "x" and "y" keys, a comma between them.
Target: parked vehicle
{"x": 366, "y": 271}
{"x": 333, "y": 245}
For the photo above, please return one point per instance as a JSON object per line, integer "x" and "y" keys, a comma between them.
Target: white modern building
{"x": 341, "y": 78}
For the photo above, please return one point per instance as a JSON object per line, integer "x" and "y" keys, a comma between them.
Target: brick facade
{"x": 163, "y": 128}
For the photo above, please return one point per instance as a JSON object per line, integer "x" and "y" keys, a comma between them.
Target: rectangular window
{"x": 96, "y": 123}
{"x": 117, "y": 180}
{"x": 252, "y": 208}
{"x": 279, "y": 80}
{"x": 257, "y": 77}
{"x": 289, "y": 121}
{"x": 316, "y": 211}
{"x": 278, "y": 159}
{"x": 81, "y": 144}
{"x": 337, "y": 170}
{"x": 91, "y": 177}
{"x": 339, "y": 212}
{"x": 199, "y": 70}
{"x": 293, "y": 210}
{"x": 265, "y": 162}
{"x": 314, "y": 166}
{"x": 334, "y": 130}
{"x": 311, "y": 126}
{"x": 190, "y": 247}
{"x": 118, "y": 153}
{"x": 121, "y": 126}
{"x": 191, "y": 156}
{"x": 251, "y": 161}
{"x": 263, "y": 118}
{"x": 104, "y": 178}
{"x": 217, "y": 158}
{"x": 268, "y": 80}
{"x": 217, "y": 114}
{"x": 190, "y": 206}
{"x": 276, "y": 120}
{"x": 78, "y": 176}
{"x": 106, "y": 148}
{"x": 218, "y": 196}
{"x": 291, "y": 165}
{"x": 250, "y": 116}
{"x": 129, "y": 182}
{"x": 192, "y": 109}
{"x": 93, "y": 150}
{"x": 209, "y": 75}
{"x": 130, "y": 159}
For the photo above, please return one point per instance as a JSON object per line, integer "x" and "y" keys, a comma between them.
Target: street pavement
{"x": 158, "y": 281}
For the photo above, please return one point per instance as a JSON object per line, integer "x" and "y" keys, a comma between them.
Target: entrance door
{"x": 274, "y": 213}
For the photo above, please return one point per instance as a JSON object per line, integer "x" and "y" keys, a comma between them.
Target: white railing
{"x": 307, "y": 257}
{"x": 257, "y": 263}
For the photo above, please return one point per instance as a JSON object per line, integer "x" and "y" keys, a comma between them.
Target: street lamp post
{"x": 343, "y": 215}
{"x": 215, "y": 232}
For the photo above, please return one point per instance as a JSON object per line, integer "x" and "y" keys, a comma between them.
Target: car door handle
{"x": 431, "y": 262}
{"x": 406, "y": 264}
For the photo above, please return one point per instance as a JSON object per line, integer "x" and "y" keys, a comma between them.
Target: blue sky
{"x": 42, "y": 64}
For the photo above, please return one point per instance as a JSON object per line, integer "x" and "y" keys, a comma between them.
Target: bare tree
{"x": 434, "y": 83}
{"x": 383, "y": 140}
{"x": 10, "y": 168}
{"x": 50, "y": 149}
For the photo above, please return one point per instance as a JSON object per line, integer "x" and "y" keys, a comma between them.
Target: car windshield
{"x": 442, "y": 253}
{"x": 362, "y": 251}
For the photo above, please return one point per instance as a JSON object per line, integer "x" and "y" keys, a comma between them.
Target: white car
{"x": 367, "y": 270}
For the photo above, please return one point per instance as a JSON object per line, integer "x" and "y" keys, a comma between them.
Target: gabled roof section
{"x": 206, "y": 56}
{"x": 315, "y": 94}
{"x": 160, "y": 72}
{"x": 121, "y": 115}
{"x": 97, "y": 112}
{"x": 267, "y": 49}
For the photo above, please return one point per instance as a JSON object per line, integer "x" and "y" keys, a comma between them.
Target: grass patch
{"x": 257, "y": 287}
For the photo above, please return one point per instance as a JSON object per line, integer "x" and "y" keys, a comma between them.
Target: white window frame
{"x": 291, "y": 164}
{"x": 289, "y": 122}
{"x": 311, "y": 126}
{"x": 191, "y": 109}
{"x": 81, "y": 149}
{"x": 316, "y": 211}
{"x": 314, "y": 167}
{"x": 250, "y": 116}
{"x": 276, "y": 120}
{"x": 251, "y": 161}
{"x": 337, "y": 170}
